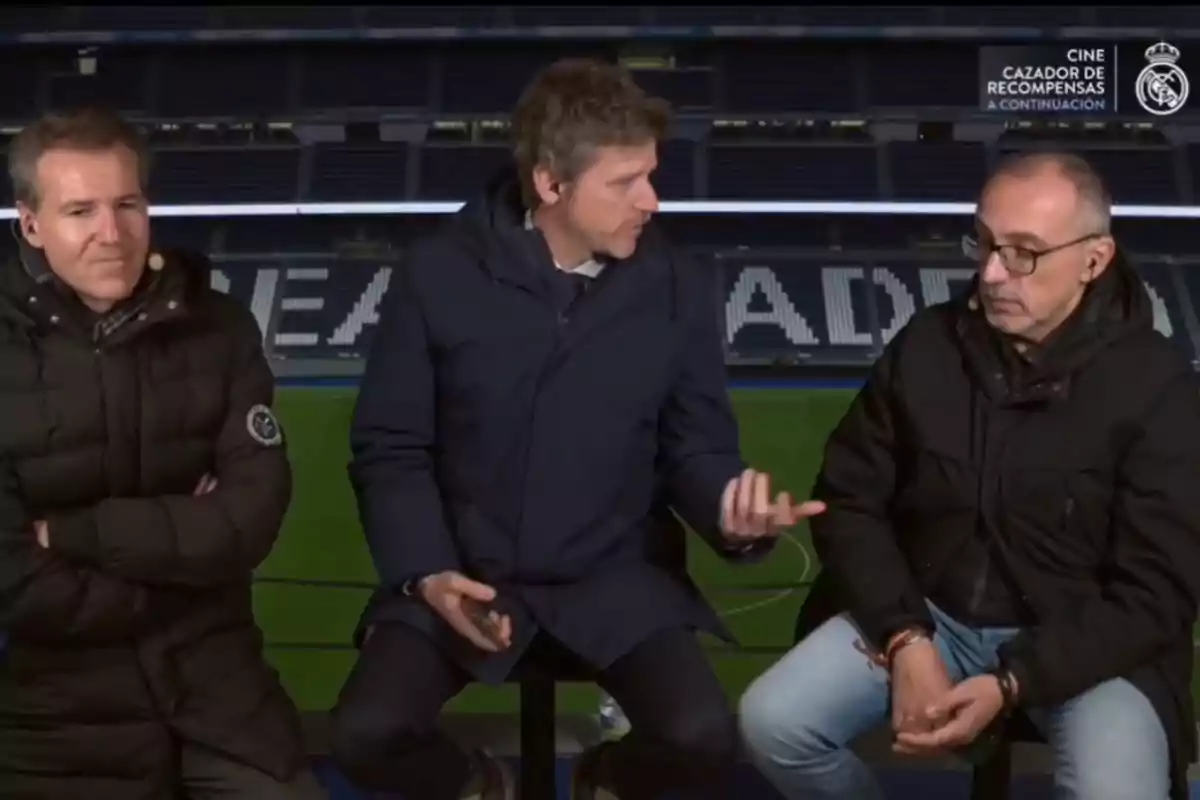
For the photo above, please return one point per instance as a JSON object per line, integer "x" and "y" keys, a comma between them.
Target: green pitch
{"x": 308, "y": 627}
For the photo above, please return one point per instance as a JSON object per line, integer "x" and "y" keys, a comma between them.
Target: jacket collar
{"x": 1113, "y": 307}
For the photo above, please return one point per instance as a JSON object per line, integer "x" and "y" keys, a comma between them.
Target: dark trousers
{"x": 207, "y": 775}
{"x": 683, "y": 736}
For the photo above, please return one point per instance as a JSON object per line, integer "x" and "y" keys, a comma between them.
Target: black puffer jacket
{"x": 134, "y": 631}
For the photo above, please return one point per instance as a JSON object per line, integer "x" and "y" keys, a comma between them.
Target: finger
{"x": 475, "y": 590}
{"x": 908, "y": 750}
{"x": 728, "y": 504}
{"x": 781, "y": 510}
{"x": 761, "y": 512}
{"x": 950, "y": 704}
{"x": 809, "y": 508}
{"x": 745, "y": 499}
{"x": 458, "y": 619}
{"x": 955, "y": 733}
{"x": 505, "y": 628}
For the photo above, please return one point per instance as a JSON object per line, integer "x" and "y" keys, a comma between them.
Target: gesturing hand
{"x": 458, "y": 600}
{"x": 748, "y": 514}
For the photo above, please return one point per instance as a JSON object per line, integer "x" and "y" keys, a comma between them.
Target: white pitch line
{"x": 783, "y": 593}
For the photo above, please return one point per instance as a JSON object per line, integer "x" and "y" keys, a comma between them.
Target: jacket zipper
{"x": 980, "y": 584}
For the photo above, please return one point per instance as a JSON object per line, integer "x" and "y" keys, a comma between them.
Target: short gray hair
{"x": 87, "y": 129}
{"x": 1089, "y": 186}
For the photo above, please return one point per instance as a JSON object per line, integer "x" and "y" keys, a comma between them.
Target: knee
{"x": 776, "y": 729}
{"x": 1111, "y": 743}
{"x": 1117, "y": 764}
{"x": 1113, "y": 780}
{"x": 705, "y": 735}
{"x": 764, "y": 722}
{"x": 363, "y": 736}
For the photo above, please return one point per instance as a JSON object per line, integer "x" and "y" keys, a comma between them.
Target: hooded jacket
{"x": 1078, "y": 469}
{"x": 539, "y": 448}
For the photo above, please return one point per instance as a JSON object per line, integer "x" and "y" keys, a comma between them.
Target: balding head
{"x": 1093, "y": 201}
{"x": 1042, "y": 236}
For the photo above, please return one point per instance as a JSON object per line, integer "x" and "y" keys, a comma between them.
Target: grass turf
{"x": 308, "y": 627}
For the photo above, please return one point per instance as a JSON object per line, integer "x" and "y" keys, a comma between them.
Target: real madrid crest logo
{"x": 1162, "y": 87}
{"x": 263, "y": 427}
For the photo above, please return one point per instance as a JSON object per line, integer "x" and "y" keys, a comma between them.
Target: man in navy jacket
{"x": 546, "y": 386}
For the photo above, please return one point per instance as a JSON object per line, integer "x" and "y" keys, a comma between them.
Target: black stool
{"x": 992, "y": 780}
{"x": 539, "y": 729}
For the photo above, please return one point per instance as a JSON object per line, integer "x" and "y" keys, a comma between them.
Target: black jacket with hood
{"x": 542, "y": 449}
{"x": 1081, "y": 469}
{"x": 133, "y": 631}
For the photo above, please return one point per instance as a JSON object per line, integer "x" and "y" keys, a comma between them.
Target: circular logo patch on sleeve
{"x": 263, "y": 427}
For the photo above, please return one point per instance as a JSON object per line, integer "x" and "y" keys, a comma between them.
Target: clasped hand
{"x": 748, "y": 514}
{"x": 930, "y": 714}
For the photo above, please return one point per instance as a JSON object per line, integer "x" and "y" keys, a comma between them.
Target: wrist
{"x": 902, "y": 641}
{"x": 1008, "y": 687}
{"x": 415, "y": 587}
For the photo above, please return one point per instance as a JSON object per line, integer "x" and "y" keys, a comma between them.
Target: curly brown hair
{"x": 574, "y": 107}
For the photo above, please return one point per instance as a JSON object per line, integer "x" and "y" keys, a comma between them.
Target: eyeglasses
{"x": 1017, "y": 259}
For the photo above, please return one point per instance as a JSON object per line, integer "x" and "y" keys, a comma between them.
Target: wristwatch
{"x": 412, "y": 586}
{"x": 1008, "y": 688}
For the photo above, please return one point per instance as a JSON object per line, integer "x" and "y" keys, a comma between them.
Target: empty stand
{"x": 430, "y": 16}
{"x": 1009, "y": 16}
{"x": 343, "y": 234}
{"x": 1175, "y": 237}
{"x": 1193, "y": 159}
{"x": 191, "y": 233}
{"x": 360, "y": 172}
{"x": 136, "y": 18}
{"x": 686, "y": 89}
{"x": 489, "y": 79}
{"x": 533, "y": 16}
{"x": 1134, "y": 175}
{"x": 785, "y": 172}
{"x": 710, "y": 232}
{"x": 30, "y": 18}
{"x": 250, "y": 81}
{"x": 1136, "y": 16}
{"x": 120, "y": 80}
{"x": 917, "y": 74}
{"x": 358, "y": 76}
{"x": 225, "y": 175}
{"x": 764, "y": 77}
{"x": 676, "y": 175}
{"x": 19, "y": 100}
{"x": 900, "y": 232}
{"x": 267, "y": 17}
{"x": 937, "y": 171}
{"x": 458, "y": 172}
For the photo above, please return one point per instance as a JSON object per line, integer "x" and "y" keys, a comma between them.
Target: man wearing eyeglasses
{"x": 1012, "y": 524}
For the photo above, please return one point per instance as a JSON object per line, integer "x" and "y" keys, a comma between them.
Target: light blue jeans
{"x": 800, "y": 716}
